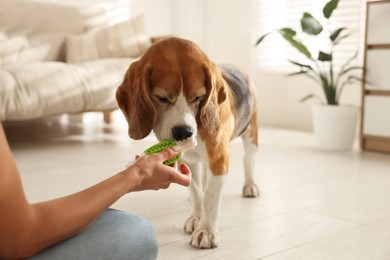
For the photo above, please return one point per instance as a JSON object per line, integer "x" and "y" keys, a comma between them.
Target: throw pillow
{"x": 125, "y": 39}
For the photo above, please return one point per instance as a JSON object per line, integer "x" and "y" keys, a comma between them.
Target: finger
{"x": 181, "y": 179}
{"x": 184, "y": 169}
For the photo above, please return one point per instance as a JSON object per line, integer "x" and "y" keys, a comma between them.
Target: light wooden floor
{"x": 314, "y": 204}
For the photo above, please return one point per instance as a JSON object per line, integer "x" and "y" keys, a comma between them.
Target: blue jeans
{"x": 114, "y": 235}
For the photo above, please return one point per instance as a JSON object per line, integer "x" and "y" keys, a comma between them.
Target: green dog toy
{"x": 161, "y": 146}
{"x": 184, "y": 146}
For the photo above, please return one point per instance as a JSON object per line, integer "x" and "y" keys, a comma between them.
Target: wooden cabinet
{"x": 375, "y": 121}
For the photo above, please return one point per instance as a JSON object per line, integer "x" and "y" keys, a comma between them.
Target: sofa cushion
{"x": 48, "y": 88}
{"x": 125, "y": 39}
{"x": 21, "y": 48}
{"x": 36, "y": 30}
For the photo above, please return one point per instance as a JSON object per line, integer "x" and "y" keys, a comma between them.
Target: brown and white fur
{"x": 176, "y": 91}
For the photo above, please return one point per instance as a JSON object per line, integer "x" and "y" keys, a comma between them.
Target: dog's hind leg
{"x": 249, "y": 139}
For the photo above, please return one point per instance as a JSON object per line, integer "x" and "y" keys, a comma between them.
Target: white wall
{"x": 159, "y": 15}
{"x": 228, "y": 31}
{"x": 222, "y": 28}
{"x": 189, "y": 20}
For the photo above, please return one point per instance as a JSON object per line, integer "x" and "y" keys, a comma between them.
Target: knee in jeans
{"x": 148, "y": 238}
{"x": 114, "y": 235}
{"x": 140, "y": 241}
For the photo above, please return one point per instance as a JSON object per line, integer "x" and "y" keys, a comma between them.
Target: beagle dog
{"x": 175, "y": 90}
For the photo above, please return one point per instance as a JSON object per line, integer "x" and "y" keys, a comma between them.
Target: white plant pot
{"x": 334, "y": 126}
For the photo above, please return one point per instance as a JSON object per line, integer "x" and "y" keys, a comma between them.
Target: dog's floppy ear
{"x": 208, "y": 114}
{"x": 133, "y": 97}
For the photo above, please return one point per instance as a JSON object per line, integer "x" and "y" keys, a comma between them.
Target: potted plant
{"x": 334, "y": 124}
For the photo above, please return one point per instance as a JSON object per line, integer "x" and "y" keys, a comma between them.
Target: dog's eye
{"x": 163, "y": 100}
{"x": 197, "y": 99}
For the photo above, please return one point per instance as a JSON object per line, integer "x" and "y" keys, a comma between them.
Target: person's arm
{"x": 26, "y": 229}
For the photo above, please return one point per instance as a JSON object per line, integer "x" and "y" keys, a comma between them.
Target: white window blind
{"x": 274, "y": 52}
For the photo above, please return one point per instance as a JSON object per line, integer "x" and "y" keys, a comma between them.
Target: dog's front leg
{"x": 196, "y": 197}
{"x": 206, "y": 233}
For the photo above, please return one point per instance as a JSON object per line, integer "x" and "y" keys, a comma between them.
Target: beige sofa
{"x": 62, "y": 57}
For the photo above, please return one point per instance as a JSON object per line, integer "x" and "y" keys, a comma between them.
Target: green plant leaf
{"x": 329, "y": 8}
{"x": 329, "y": 90}
{"x": 287, "y": 32}
{"x": 288, "y": 35}
{"x": 307, "y": 97}
{"x": 345, "y": 71}
{"x": 310, "y": 25}
{"x": 297, "y": 73}
{"x": 339, "y": 39}
{"x": 336, "y": 33}
{"x": 300, "y": 64}
{"x": 349, "y": 61}
{"x": 322, "y": 56}
{"x": 262, "y": 38}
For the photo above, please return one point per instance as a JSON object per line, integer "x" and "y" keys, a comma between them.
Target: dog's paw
{"x": 250, "y": 191}
{"x": 204, "y": 239}
{"x": 191, "y": 224}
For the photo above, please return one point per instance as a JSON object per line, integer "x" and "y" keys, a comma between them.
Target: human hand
{"x": 149, "y": 172}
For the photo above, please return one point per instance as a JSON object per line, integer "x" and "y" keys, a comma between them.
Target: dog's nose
{"x": 180, "y": 133}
